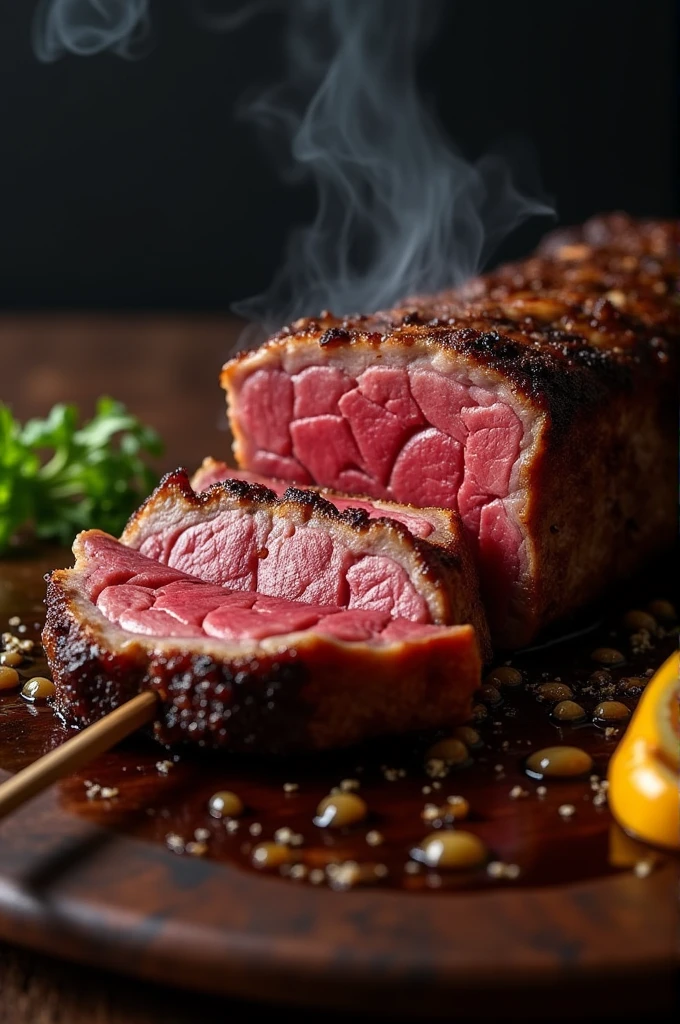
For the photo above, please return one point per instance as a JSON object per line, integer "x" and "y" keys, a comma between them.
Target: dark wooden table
{"x": 165, "y": 368}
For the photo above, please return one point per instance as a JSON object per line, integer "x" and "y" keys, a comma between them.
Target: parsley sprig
{"x": 58, "y": 478}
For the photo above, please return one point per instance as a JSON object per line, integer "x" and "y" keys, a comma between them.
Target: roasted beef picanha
{"x": 539, "y": 402}
{"x": 239, "y": 669}
{"x": 300, "y": 547}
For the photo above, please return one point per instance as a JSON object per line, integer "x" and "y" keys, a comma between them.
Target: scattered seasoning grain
{"x": 517, "y": 793}
{"x": 255, "y": 829}
{"x": 174, "y": 842}
{"x": 430, "y": 813}
{"x": 10, "y": 658}
{"x": 298, "y": 871}
{"x": 290, "y": 787}
{"x": 610, "y": 732}
{"x": 426, "y": 790}
{"x": 201, "y": 835}
{"x": 164, "y": 767}
{"x": 636, "y": 620}
{"x": 559, "y": 762}
{"x": 611, "y": 711}
{"x": 451, "y": 751}
{"x": 336, "y": 811}
{"x": 317, "y": 876}
{"x": 109, "y": 792}
{"x": 375, "y": 838}
{"x": 270, "y": 855}
{"x": 643, "y": 868}
{"x": 497, "y": 869}
{"x": 232, "y": 826}
{"x": 9, "y": 678}
{"x": 554, "y": 691}
{"x": 225, "y": 804}
{"x": 349, "y": 785}
{"x": 14, "y": 621}
{"x": 541, "y": 792}
{"x": 607, "y": 656}
{"x": 437, "y": 768}
{"x": 412, "y": 868}
{"x": 38, "y": 689}
{"x": 451, "y": 850}
{"x": 566, "y": 810}
{"x": 568, "y": 711}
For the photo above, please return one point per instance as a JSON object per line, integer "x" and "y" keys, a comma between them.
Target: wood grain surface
{"x": 602, "y": 948}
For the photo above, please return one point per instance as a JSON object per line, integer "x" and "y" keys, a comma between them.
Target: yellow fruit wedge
{"x": 643, "y": 773}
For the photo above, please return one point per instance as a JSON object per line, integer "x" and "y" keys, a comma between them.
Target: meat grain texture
{"x": 240, "y": 670}
{"x": 539, "y": 402}
{"x": 301, "y": 547}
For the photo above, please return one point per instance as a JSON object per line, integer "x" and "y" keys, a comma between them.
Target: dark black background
{"x": 132, "y": 184}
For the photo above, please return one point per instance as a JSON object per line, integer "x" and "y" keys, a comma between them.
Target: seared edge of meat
{"x": 298, "y": 692}
{"x": 441, "y": 567}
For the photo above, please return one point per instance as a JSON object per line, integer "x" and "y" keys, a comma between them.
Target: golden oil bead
{"x": 607, "y": 656}
{"x": 225, "y": 804}
{"x": 456, "y": 807}
{"x": 455, "y": 850}
{"x": 271, "y": 855}
{"x": 450, "y": 750}
{"x": 611, "y": 711}
{"x": 9, "y": 678}
{"x": 555, "y": 691}
{"x": 38, "y": 689}
{"x": 558, "y": 762}
{"x": 340, "y": 809}
{"x": 504, "y": 675}
{"x": 11, "y": 658}
{"x": 467, "y": 735}
{"x": 568, "y": 711}
{"x": 636, "y": 620}
{"x": 663, "y": 610}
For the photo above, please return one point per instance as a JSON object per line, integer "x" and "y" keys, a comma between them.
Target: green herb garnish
{"x": 58, "y": 478}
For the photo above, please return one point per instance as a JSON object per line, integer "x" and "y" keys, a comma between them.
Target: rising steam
{"x": 399, "y": 208}
{"x": 86, "y": 27}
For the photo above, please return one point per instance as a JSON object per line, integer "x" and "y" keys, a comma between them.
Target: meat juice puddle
{"x": 535, "y": 831}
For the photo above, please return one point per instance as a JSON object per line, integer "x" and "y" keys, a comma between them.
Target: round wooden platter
{"x": 112, "y": 895}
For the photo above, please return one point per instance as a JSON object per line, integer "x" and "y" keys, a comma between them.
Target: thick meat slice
{"x": 539, "y": 402}
{"x": 240, "y": 535}
{"x": 241, "y": 670}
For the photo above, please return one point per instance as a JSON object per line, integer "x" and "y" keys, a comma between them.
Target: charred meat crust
{"x": 447, "y": 573}
{"x": 311, "y": 693}
{"x": 596, "y": 311}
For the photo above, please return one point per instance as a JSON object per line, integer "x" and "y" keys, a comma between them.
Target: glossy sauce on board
{"x": 535, "y": 831}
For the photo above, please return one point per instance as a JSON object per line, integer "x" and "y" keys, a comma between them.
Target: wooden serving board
{"x": 94, "y": 881}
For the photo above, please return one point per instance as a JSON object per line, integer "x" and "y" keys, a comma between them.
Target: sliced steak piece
{"x": 242, "y": 670}
{"x": 239, "y": 534}
{"x": 539, "y": 402}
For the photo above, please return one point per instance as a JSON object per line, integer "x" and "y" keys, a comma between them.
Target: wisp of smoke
{"x": 86, "y": 27}
{"x": 400, "y": 210}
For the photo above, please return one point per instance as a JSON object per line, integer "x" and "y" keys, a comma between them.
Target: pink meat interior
{"x": 416, "y": 524}
{"x": 410, "y": 435}
{"x": 147, "y": 598}
{"x": 275, "y": 557}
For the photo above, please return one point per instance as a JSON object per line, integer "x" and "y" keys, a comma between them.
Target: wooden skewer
{"x": 78, "y": 751}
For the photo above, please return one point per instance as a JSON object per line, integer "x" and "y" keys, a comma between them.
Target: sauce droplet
{"x": 558, "y": 762}
{"x": 225, "y": 804}
{"x": 457, "y": 850}
{"x": 555, "y": 691}
{"x": 450, "y": 750}
{"x": 38, "y": 688}
{"x": 504, "y": 675}
{"x": 340, "y": 809}
{"x": 568, "y": 711}
{"x": 9, "y": 678}
{"x": 270, "y": 855}
{"x": 611, "y": 711}
{"x": 607, "y": 656}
